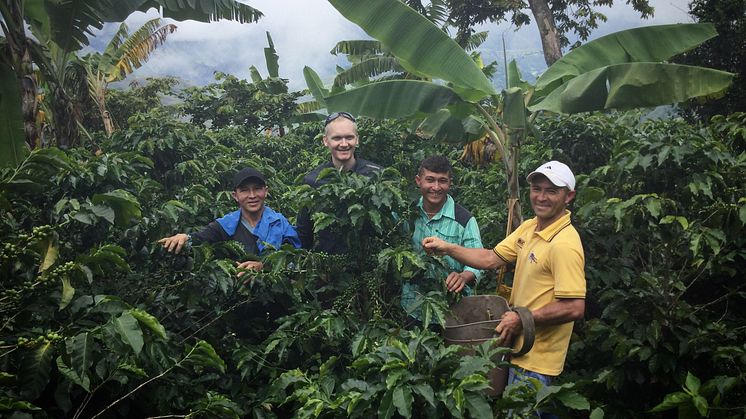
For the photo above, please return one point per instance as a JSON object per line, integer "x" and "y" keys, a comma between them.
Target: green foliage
{"x": 727, "y": 52}
{"x": 97, "y": 319}
{"x": 255, "y": 106}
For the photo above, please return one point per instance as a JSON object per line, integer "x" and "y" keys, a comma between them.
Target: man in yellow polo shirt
{"x": 549, "y": 274}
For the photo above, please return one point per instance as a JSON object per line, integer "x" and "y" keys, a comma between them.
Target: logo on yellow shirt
{"x": 532, "y": 257}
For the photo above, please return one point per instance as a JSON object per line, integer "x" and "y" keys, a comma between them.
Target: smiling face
{"x": 434, "y": 188}
{"x": 340, "y": 137}
{"x": 548, "y": 200}
{"x": 250, "y": 197}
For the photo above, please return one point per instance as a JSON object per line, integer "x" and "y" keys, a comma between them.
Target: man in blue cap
{"x": 253, "y": 224}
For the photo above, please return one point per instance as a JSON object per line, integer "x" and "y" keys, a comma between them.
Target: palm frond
{"x": 438, "y": 12}
{"x": 137, "y": 49}
{"x": 117, "y": 40}
{"x": 308, "y": 107}
{"x": 207, "y": 10}
{"x": 368, "y": 68}
{"x": 358, "y": 47}
{"x": 476, "y": 40}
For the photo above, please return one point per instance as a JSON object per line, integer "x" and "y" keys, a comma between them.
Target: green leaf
{"x": 35, "y": 369}
{"x": 632, "y": 85}
{"x": 597, "y": 413}
{"x": 271, "y": 58}
{"x": 671, "y": 401}
{"x": 514, "y": 109}
{"x": 426, "y": 391}
{"x": 573, "y": 400}
{"x": 645, "y": 44}
{"x": 700, "y": 403}
{"x": 692, "y": 383}
{"x": 68, "y": 292}
{"x": 204, "y": 355}
{"x": 70, "y": 374}
{"x": 402, "y": 399}
{"x": 49, "y": 252}
{"x": 477, "y": 406}
{"x": 125, "y": 206}
{"x": 386, "y": 408}
{"x": 393, "y": 99}
{"x": 129, "y": 330}
{"x": 315, "y": 85}
{"x": 80, "y": 350}
{"x": 13, "y": 147}
{"x": 149, "y": 321}
{"x": 418, "y": 43}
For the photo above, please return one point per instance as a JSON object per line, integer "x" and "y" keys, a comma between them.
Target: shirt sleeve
{"x": 472, "y": 238}
{"x": 212, "y": 233}
{"x": 289, "y": 234}
{"x": 568, "y": 268}
{"x": 507, "y": 249}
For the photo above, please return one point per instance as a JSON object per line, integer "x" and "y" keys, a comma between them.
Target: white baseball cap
{"x": 557, "y": 173}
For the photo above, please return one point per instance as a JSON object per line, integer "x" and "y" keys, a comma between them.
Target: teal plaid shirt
{"x": 445, "y": 226}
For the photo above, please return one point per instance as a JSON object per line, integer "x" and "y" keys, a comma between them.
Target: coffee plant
{"x": 97, "y": 320}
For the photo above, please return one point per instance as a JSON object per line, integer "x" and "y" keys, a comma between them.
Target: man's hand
{"x": 174, "y": 243}
{"x": 510, "y": 325}
{"x": 435, "y": 246}
{"x": 456, "y": 281}
{"x": 248, "y": 265}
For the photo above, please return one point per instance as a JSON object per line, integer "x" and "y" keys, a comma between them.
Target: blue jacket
{"x": 272, "y": 230}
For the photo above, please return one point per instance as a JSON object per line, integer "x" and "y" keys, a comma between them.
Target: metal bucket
{"x": 473, "y": 320}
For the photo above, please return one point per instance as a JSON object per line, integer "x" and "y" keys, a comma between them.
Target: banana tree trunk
{"x": 550, "y": 41}
{"x": 19, "y": 59}
{"x": 66, "y": 118}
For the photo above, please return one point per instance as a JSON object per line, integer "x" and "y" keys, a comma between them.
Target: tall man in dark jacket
{"x": 340, "y": 137}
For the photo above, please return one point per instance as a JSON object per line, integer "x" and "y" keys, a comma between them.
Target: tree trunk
{"x": 19, "y": 59}
{"x": 550, "y": 41}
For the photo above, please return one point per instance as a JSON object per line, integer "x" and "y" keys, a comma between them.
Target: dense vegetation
{"x": 98, "y": 321}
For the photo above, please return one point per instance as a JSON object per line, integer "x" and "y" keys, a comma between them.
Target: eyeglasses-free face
{"x": 336, "y": 115}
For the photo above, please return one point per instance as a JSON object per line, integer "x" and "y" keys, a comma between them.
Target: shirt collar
{"x": 447, "y": 210}
{"x": 548, "y": 233}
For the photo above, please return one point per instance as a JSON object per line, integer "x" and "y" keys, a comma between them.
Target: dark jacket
{"x": 328, "y": 242}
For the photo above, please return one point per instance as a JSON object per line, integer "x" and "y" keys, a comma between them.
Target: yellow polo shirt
{"x": 549, "y": 265}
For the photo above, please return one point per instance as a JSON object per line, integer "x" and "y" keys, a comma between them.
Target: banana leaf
{"x": 315, "y": 85}
{"x": 646, "y": 44}
{"x": 634, "y": 85}
{"x": 418, "y": 43}
{"x": 393, "y": 99}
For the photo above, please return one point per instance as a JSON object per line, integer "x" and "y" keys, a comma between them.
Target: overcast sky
{"x": 304, "y": 31}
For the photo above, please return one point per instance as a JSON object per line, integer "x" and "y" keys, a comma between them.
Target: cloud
{"x": 304, "y": 31}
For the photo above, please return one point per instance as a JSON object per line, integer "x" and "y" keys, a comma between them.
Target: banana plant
{"x": 67, "y": 25}
{"x": 461, "y": 104}
{"x": 122, "y": 55}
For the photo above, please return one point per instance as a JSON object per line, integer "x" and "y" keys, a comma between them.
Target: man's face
{"x": 548, "y": 200}
{"x": 340, "y": 137}
{"x": 250, "y": 196}
{"x": 434, "y": 188}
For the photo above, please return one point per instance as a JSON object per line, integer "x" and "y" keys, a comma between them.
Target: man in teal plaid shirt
{"x": 439, "y": 215}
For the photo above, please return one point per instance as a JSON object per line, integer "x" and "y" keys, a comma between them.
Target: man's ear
{"x": 323, "y": 139}
{"x": 417, "y": 180}
{"x": 570, "y": 197}
{"x": 233, "y": 194}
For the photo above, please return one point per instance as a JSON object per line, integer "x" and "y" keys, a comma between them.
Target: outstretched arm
{"x": 476, "y": 258}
